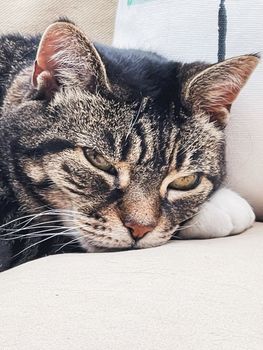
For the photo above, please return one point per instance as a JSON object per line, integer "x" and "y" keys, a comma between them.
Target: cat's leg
{"x": 224, "y": 214}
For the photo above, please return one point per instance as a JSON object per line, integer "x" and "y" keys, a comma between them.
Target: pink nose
{"x": 137, "y": 230}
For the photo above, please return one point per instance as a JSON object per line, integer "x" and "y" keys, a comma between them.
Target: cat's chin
{"x": 91, "y": 248}
{"x": 151, "y": 240}
{"x": 109, "y": 245}
{"x": 155, "y": 239}
{"x": 94, "y": 249}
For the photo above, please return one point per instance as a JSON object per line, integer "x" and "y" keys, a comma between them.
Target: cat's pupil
{"x": 99, "y": 159}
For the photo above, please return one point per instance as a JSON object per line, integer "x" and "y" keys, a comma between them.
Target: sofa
{"x": 185, "y": 295}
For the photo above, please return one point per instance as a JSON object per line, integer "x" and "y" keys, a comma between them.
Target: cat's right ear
{"x": 214, "y": 89}
{"x": 66, "y": 57}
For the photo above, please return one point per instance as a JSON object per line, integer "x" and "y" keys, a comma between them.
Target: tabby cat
{"x": 103, "y": 149}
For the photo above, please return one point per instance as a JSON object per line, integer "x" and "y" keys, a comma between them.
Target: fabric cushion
{"x": 185, "y": 295}
{"x": 188, "y": 31}
{"x": 95, "y": 17}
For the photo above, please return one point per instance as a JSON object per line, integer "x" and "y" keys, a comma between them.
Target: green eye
{"x": 185, "y": 183}
{"x": 99, "y": 162}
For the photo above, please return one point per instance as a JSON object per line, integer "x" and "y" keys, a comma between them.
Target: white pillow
{"x": 188, "y": 31}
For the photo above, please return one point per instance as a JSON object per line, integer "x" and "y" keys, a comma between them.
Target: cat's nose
{"x": 138, "y": 231}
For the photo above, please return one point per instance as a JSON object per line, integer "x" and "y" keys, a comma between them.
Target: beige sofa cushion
{"x": 96, "y": 17}
{"x": 186, "y": 295}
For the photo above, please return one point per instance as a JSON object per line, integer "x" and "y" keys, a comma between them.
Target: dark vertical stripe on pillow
{"x": 222, "y": 29}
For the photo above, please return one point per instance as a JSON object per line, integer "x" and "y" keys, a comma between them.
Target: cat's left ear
{"x": 214, "y": 89}
{"x": 66, "y": 57}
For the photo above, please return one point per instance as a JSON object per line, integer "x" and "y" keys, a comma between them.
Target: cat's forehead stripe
{"x": 155, "y": 146}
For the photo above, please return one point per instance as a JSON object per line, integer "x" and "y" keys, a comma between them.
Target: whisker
{"x": 36, "y": 225}
{"x": 184, "y": 227}
{"x": 31, "y": 217}
{"x": 33, "y": 227}
{"x": 37, "y": 233}
{"x": 177, "y": 237}
{"x": 15, "y": 220}
{"x": 64, "y": 245}
{"x": 42, "y": 241}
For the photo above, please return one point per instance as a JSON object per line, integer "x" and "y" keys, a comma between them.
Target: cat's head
{"x": 122, "y": 173}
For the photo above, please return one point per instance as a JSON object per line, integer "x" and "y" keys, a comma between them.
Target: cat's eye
{"x": 185, "y": 183}
{"x": 99, "y": 161}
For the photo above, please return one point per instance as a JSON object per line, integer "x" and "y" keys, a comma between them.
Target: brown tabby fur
{"x": 67, "y": 103}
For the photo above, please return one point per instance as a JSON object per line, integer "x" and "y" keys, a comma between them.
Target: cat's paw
{"x": 224, "y": 214}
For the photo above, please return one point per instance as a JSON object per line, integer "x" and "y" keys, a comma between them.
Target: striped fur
{"x": 52, "y": 198}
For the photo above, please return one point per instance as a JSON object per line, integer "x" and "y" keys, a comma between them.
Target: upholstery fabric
{"x": 185, "y": 295}
{"x": 188, "y": 31}
{"x": 96, "y": 18}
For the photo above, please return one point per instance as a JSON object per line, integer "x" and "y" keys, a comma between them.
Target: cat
{"x": 106, "y": 149}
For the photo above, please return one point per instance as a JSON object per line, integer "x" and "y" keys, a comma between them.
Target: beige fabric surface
{"x": 186, "y": 295}
{"x": 95, "y": 17}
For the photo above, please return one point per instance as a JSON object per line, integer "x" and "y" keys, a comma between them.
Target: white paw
{"x": 224, "y": 214}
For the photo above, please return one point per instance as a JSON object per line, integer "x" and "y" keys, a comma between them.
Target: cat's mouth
{"x": 106, "y": 232}
{"x": 122, "y": 241}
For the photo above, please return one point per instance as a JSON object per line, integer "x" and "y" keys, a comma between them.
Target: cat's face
{"x": 125, "y": 173}
{"x": 121, "y": 174}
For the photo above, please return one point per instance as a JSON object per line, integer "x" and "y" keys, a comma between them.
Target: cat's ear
{"x": 214, "y": 89}
{"x": 66, "y": 57}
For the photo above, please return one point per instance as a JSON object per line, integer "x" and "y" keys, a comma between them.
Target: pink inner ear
{"x": 36, "y": 72}
{"x": 66, "y": 57}
{"x": 219, "y": 100}
{"x": 223, "y": 99}
{"x": 48, "y": 47}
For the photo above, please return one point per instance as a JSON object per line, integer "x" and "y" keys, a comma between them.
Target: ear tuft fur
{"x": 214, "y": 89}
{"x": 64, "y": 19}
{"x": 66, "y": 57}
